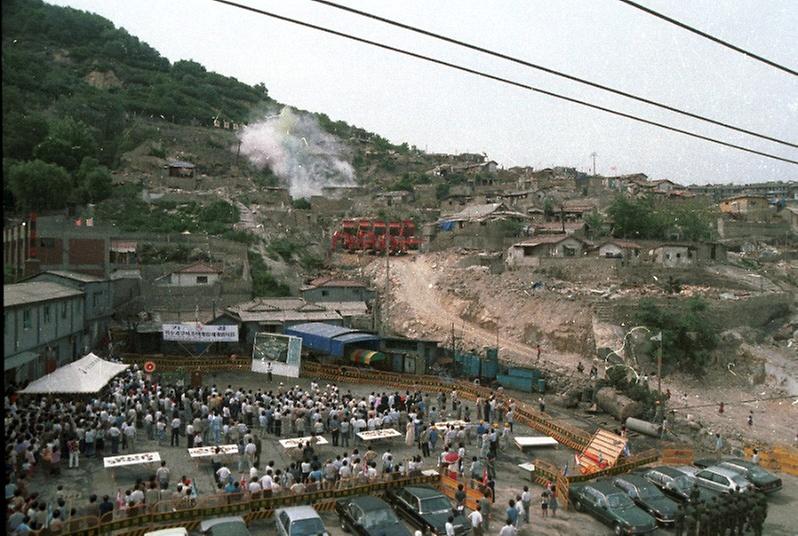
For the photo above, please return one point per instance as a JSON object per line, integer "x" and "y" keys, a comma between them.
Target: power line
{"x": 503, "y": 80}
{"x": 550, "y": 71}
{"x": 710, "y": 37}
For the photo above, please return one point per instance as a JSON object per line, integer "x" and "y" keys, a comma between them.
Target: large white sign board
{"x": 283, "y": 352}
{"x": 195, "y": 332}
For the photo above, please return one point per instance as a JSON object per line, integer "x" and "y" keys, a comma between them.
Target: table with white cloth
{"x": 539, "y": 441}
{"x": 296, "y": 441}
{"x": 127, "y": 460}
{"x": 377, "y": 435}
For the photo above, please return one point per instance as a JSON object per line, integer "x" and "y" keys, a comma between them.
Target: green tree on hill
{"x": 38, "y": 185}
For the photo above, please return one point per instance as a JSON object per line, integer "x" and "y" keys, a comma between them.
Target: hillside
{"x": 91, "y": 115}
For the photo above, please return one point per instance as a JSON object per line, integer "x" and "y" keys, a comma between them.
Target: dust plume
{"x": 295, "y": 148}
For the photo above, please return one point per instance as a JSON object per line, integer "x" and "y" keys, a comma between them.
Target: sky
{"x": 442, "y": 110}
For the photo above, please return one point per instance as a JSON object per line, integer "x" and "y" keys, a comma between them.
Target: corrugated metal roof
{"x": 329, "y": 339}
{"x": 179, "y": 164}
{"x": 330, "y": 282}
{"x": 83, "y": 278}
{"x": 346, "y": 308}
{"x": 198, "y": 267}
{"x": 36, "y": 291}
{"x": 553, "y": 239}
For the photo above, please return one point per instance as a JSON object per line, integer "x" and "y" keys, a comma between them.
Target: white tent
{"x": 88, "y": 374}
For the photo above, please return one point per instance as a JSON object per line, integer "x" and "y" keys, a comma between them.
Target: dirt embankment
{"x": 430, "y": 296}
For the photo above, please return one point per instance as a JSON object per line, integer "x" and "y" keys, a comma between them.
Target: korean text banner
{"x": 194, "y": 332}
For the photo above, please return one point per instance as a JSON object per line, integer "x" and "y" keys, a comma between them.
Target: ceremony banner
{"x": 195, "y": 332}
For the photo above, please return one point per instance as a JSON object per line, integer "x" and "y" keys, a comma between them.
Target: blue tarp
{"x": 446, "y": 225}
{"x": 332, "y": 340}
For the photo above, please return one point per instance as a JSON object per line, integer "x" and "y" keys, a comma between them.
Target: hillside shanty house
{"x": 743, "y": 204}
{"x": 529, "y": 252}
{"x": 675, "y": 255}
{"x": 180, "y": 168}
{"x": 197, "y": 274}
{"x": 328, "y": 289}
{"x": 620, "y": 249}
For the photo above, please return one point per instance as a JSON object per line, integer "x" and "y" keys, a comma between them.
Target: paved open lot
{"x": 93, "y": 478}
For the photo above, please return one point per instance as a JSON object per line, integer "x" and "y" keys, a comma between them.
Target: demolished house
{"x": 530, "y": 252}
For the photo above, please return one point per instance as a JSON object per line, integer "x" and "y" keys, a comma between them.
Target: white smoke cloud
{"x": 298, "y": 151}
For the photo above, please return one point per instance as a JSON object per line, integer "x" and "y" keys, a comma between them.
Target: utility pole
{"x": 659, "y": 365}
{"x": 594, "y": 155}
{"x": 387, "y": 284}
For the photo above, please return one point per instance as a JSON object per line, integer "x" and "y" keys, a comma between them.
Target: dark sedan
{"x": 762, "y": 480}
{"x": 676, "y": 484}
{"x": 648, "y": 497}
{"x": 369, "y": 516}
{"x": 427, "y": 509}
{"x": 611, "y": 506}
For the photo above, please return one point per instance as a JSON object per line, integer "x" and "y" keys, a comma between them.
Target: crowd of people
{"x": 135, "y": 411}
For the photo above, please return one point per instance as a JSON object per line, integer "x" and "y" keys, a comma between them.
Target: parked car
{"x": 369, "y": 516}
{"x": 427, "y": 509}
{"x": 721, "y": 479}
{"x": 611, "y": 506}
{"x": 648, "y": 497}
{"x": 225, "y": 526}
{"x": 299, "y": 521}
{"x": 676, "y": 484}
{"x": 762, "y": 480}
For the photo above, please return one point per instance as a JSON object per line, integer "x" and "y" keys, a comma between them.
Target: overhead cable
{"x": 710, "y": 37}
{"x": 550, "y": 71}
{"x": 503, "y": 80}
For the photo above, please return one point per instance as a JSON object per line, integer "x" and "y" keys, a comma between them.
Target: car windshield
{"x": 435, "y": 504}
{"x": 648, "y": 493}
{"x": 682, "y": 483}
{"x": 379, "y": 517}
{"x": 307, "y": 527}
{"x": 619, "y": 500}
{"x": 756, "y": 472}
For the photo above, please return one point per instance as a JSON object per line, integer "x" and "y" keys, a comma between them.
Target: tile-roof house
{"x": 619, "y": 249}
{"x": 198, "y": 274}
{"x": 329, "y": 289}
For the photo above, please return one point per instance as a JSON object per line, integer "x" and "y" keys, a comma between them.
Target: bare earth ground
{"x": 430, "y": 295}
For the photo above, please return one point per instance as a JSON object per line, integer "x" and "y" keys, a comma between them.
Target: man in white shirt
{"x": 175, "y": 440}
{"x": 449, "y": 526}
{"x": 267, "y": 482}
{"x": 476, "y": 521}
{"x": 223, "y": 473}
{"x": 508, "y": 529}
{"x": 254, "y": 487}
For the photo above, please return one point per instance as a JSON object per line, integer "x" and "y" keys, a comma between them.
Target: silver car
{"x": 721, "y": 479}
{"x": 299, "y": 521}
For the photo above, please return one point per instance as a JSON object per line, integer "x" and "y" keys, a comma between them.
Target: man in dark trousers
{"x": 258, "y": 449}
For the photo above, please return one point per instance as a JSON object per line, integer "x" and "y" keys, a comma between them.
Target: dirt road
{"x": 414, "y": 284}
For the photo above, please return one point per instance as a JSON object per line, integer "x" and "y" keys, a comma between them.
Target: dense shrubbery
{"x": 264, "y": 283}
{"x": 688, "y": 337}
{"x": 645, "y": 219}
